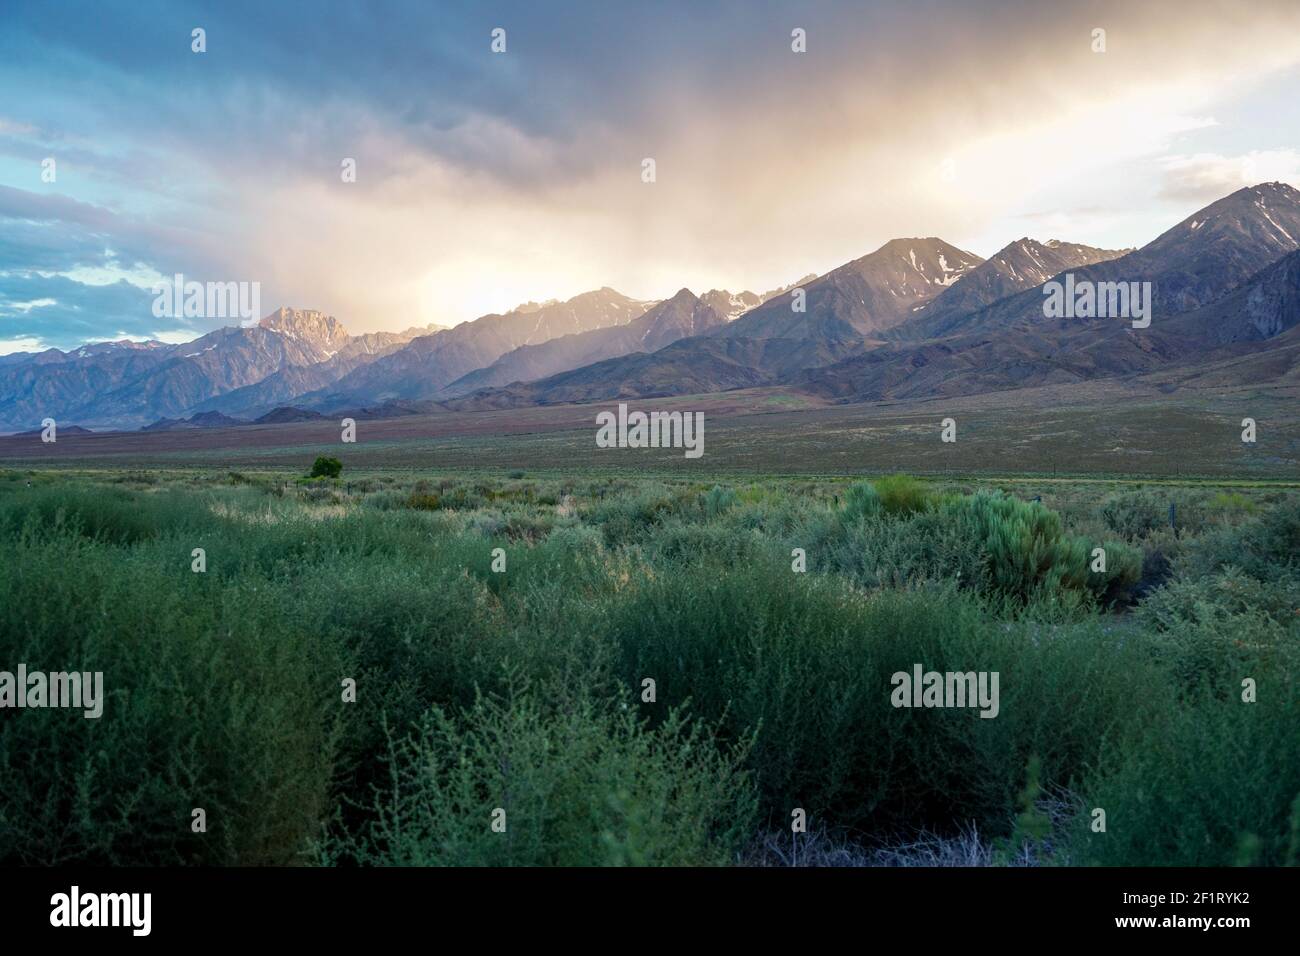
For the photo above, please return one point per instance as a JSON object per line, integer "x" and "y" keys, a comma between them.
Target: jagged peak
{"x": 308, "y": 323}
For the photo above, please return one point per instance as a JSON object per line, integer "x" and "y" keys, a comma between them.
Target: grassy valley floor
{"x": 1101, "y": 429}
{"x": 393, "y": 666}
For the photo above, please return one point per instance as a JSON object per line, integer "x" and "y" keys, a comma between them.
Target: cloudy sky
{"x": 485, "y": 179}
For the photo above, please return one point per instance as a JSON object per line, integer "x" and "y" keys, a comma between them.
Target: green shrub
{"x": 524, "y": 527}
{"x": 1236, "y": 578}
{"x": 1266, "y": 547}
{"x": 719, "y": 500}
{"x": 386, "y": 500}
{"x": 989, "y": 543}
{"x": 693, "y": 544}
{"x": 902, "y": 494}
{"x": 1204, "y": 628}
{"x": 1027, "y": 552}
{"x": 628, "y": 518}
{"x": 861, "y": 501}
{"x": 1026, "y": 547}
{"x": 326, "y": 468}
{"x": 1231, "y": 504}
{"x": 1221, "y": 598}
{"x": 1033, "y": 826}
{"x": 215, "y": 698}
{"x": 111, "y": 515}
{"x": 1123, "y": 570}
{"x": 805, "y": 665}
{"x": 882, "y": 551}
{"x": 1213, "y": 777}
{"x": 582, "y": 784}
{"x": 1135, "y": 514}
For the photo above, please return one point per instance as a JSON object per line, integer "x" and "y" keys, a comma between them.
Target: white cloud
{"x": 28, "y": 344}
{"x": 26, "y": 307}
{"x": 1204, "y": 177}
{"x": 170, "y": 336}
{"x": 13, "y": 128}
{"x": 141, "y": 276}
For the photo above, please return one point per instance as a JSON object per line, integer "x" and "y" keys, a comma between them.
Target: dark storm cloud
{"x": 275, "y": 71}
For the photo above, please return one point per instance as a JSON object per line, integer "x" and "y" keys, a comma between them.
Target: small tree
{"x": 326, "y": 468}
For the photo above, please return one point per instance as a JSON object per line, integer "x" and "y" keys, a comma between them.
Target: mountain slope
{"x": 698, "y": 365}
{"x": 681, "y": 316}
{"x": 864, "y": 297}
{"x": 204, "y": 420}
{"x": 218, "y": 362}
{"x": 731, "y": 305}
{"x": 1260, "y": 315}
{"x": 90, "y": 350}
{"x": 1024, "y": 264}
{"x": 1199, "y": 260}
{"x": 843, "y": 307}
{"x": 1264, "y": 307}
{"x": 705, "y": 365}
{"x": 280, "y": 387}
{"x": 49, "y": 385}
{"x": 125, "y": 384}
{"x": 427, "y": 364}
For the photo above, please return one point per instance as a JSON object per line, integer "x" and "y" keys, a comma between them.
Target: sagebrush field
{"x": 515, "y": 679}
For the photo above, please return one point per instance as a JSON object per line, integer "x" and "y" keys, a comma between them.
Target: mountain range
{"x": 125, "y": 384}
{"x": 1213, "y": 290}
{"x": 914, "y": 318}
{"x": 683, "y": 316}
